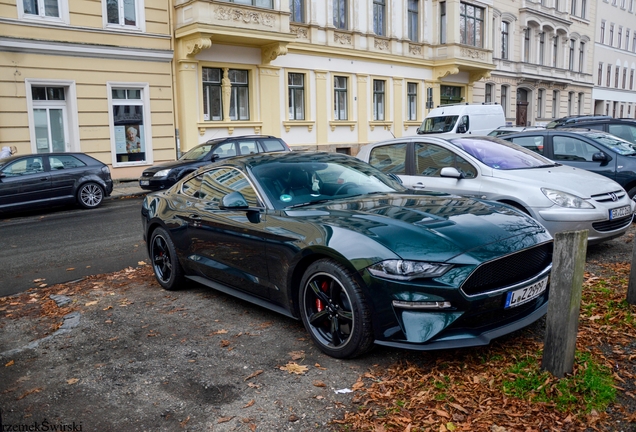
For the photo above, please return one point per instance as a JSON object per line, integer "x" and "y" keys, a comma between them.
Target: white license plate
{"x": 144, "y": 182}
{"x": 524, "y": 295}
{"x": 620, "y": 212}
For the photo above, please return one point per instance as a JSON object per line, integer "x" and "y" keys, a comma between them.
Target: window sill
{"x": 292, "y": 123}
{"x": 410, "y": 123}
{"x": 230, "y": 125}
{"x": 386, "y": 124}
{"x": 335, "y": 123}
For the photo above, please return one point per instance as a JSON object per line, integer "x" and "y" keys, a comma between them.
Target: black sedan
{"x": 330, "y": 240}
{"x": 47, "y": 179}
{"x": 165, "y": 174}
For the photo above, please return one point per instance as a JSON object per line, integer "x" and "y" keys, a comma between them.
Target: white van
{"x": 477, "y": 119}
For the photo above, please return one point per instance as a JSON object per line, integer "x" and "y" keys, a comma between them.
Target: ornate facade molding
{"x": 342, "y": 38}
{"x": 444, "y": 71}
{"x": 477, "y": 75}
{"x": 272, "y": 51}
{"x": 268, "y": 71}
{"x": 245, "y": 16}
{"x": 195, "y": 46}
{"x": 415, "y": 49}
{"x": 382, "y": 45}
{"x": 472, "y": 54}
{"x": 300, "y": 32}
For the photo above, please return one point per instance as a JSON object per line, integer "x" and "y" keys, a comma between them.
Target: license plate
{"x": 524, "y": 295}
{"x": 144, "y": 182}
{"x": 620, "y": 212}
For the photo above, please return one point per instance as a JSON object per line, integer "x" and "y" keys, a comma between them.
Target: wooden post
{"x": 631, "y": 287}
{"x": 566, "y": 282}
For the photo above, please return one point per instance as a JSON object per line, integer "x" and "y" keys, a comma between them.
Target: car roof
{"x": 18, "y": 156}
{"x": 553, "y": 131}
{"x": 253, "y": 160}
{"x": 236, "y": 138}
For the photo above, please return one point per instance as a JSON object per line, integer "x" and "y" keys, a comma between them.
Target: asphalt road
{"x": 65, "y": 244}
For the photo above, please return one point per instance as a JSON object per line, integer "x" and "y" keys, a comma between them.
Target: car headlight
{"x": 407, "y": 270}
{"x": 567, "y": 200}
{"x": 162, "y": 173}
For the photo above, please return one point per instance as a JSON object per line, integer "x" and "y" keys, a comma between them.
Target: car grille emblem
{"x": 613, "y": 196}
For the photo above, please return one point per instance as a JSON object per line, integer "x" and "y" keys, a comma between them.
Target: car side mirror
{"x": 451, "y": 172}
{"x": 234, "y": 201}
{"x": 461, "y": 128}
{"x": 600, "y": 157}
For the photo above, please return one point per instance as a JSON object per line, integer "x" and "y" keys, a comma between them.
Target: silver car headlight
{"x": 565, "y": 199}
{"x": 407, "y": 270}
{"x": 162, "y": 173}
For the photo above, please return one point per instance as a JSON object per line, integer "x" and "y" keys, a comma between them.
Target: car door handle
{"x": 195, "y": 217}
{"x": 419, "y": 185}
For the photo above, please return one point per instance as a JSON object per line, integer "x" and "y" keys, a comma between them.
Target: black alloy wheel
{"x": 334, "y": 311}
{"x": 90, "y": 195}
{"x": 164, "y": 259}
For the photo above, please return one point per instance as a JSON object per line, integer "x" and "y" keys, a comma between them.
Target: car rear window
{"x": 272, "y": 145}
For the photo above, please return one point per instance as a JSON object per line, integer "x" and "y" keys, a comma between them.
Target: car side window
{"x": 272, "y": 145}
{"x": 431, "y": 158}
{"x": 217, "y": 183}
{"x": 572, "y": 149}
{"x": 225, "y": 150}
{"x": 627, "y": 132}
{"x": 247, "y": 147}
{"x": 26, "y": 166}
{"x": 534, "y": 143}
{"x": 191, "y": 187}
{"x": 390, "y": 159}
{"x": 65, "y": 162}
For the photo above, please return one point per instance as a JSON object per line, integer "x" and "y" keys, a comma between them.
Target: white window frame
{"x": 72, "y": 119}
{"x": 145, "y": 102}
{"x": 140, "y": 10}
{"x": 62, "y": 5}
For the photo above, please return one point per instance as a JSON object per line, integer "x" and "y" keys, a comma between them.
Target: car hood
{"x": 576, "y": 181}
{"x": 439, "y": 228}
{"x": 175, "y": 164}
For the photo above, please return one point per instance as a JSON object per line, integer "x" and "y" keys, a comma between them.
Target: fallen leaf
{"x": 294, "y": 368}
{"x": 297, "y": 355}
{"x": 318, "y": 383}
{"x": 249, "y": 404}
{"x": 107, "y": 308}
{"x": 28, "y": 392}
{"x": 72, "y": 381}
{"x": 142, "y": 263}
{"x": 91, "y": 303}
{"x": 70, "y": 269}
{"x": 225, "y": 419}
{"x": 219, "y": 332}
{"x": 255, "y": 374}
{"x": 225, "y": 343}
{"x": 11, "y": 363}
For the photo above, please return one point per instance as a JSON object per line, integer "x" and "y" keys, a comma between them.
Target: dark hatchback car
{"x": 359, "y": 258}
{"x": 38, "y": 180}
{"x": 622, "y": 128}
{"x": 592, "y": 150}
{"x": 164, "y": 175}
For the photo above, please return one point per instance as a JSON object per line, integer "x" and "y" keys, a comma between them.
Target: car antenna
{"x": 391, "y": 132}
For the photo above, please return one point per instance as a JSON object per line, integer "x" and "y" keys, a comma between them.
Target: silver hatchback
{"x": 560, "y": 197}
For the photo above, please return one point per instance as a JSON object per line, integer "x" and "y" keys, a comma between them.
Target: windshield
{"x": 297, "y": 183}
{"x": 499, "y": 154}
{"x": 613, "y": 143}
{"x": 438, "y": 124}
{"x": 197, "y": 153}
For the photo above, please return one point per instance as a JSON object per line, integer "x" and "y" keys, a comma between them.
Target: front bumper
{"x": 155, "y": 184}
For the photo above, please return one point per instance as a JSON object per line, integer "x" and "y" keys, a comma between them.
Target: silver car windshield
{"x": 500, "y": 154}
{"x": 439, "y": 124}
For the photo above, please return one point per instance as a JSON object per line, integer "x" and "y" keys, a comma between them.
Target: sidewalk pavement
{"x": 126, "y": 187}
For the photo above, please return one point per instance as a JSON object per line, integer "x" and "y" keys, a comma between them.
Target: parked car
{"x": 591, "y": 150}
{"x": 38, "y": 180}
{"x": 331, "y": 240}
{"x": 164, "y": 175}
{"x": 475, "y": 119}
{"x": 622, "y": 128}
{"x": 562, "y": 198}
{"x": 505, "y": 130}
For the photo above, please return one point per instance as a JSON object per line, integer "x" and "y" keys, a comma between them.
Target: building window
{"x": 631, "y": 80}
{"x": 624, "y": 77}
{"x": 124, "y": 13}
{"x": 340, "y": 98}
{"x": 413, "y": 18}
{"x": 556, "y": 5}
{"x": 215, "y": 80}
{"x": 379, "y": 11}
{"x": 541, "y": 47}
{"x": 608, "y": 81}
{"x": 583, "y": 8}
{"x": 581, "y": 56}
{"x": 599, "y": 74}
{"x": 573, "y": 8}
{"x": 130, "y": 131}
{"x": 611, "y": 35}
{"x": 378, "y": 99}
{"x": 540, "y": 103}
{"x": 620, "y": 37}
{"x": 571, "y": 57}
{"x": 555, "y": 103}
{"x": 634, "y": 42}
{"x": 297, "y": 9}
{"x": 411, "y": 100}
{"x": 581, "y": 100}
{"x": 296, "y": 86}
{"x": 627, "y": 40}
{"x": 49, "y": 118}
{"x": 602, "y": 34}
{"x": 442, "y": 22}
{"x": 504, "y": 39}
{"x": 526, "y": 45}
{"x": 555, "y": 50}
{"x": 340, "y": 14}
{"x": 488, "y": 95}
{"x": 471, "y": 25}
{"x": 45, "y": 10}
{"x": 504, "y": 99}
{"x": 617, "y": 75}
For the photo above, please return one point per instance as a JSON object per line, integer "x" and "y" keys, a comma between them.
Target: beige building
{"x": 615, "y": 59}
{"x": 89, "y": 76}
{"x": 543, "y": 56}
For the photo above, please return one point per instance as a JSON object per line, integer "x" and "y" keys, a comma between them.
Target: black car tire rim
{"x": 91, "y": 195}
{"x": 161, "y": 259}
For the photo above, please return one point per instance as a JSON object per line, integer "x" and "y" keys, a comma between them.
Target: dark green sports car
{"x": 328, "y": 239}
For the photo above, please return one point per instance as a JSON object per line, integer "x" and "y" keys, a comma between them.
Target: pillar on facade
{"x": 270, "y": 91}
{"x": 363, "y": 109}
{"x": 398, "y": 102}
{"x": 322, "y": 119}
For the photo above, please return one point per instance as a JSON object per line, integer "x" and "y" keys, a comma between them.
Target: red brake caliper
{"x": 324, "y": 287}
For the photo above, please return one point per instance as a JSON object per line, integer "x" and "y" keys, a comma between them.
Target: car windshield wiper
{"x": 308, "y": 203}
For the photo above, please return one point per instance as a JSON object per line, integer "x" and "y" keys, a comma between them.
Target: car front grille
{"x": 509, "y": 270}
{"x": 611, "y": 225}
{"x": 492, "y": 314}
{"x": 147, "y": 174}
{"x": 609, "y": 196}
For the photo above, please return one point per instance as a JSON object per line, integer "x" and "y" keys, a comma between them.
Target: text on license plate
{"x": 144, "y": 182}
{"x": 620, "y": 212}
{"x": 524, "y": 295}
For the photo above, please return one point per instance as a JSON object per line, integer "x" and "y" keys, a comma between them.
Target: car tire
{"x": 90, "y": 195}
{"x": 334, "y": 310}
{"x": 164, "y": 260}
{"x": 632, "y": 192}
